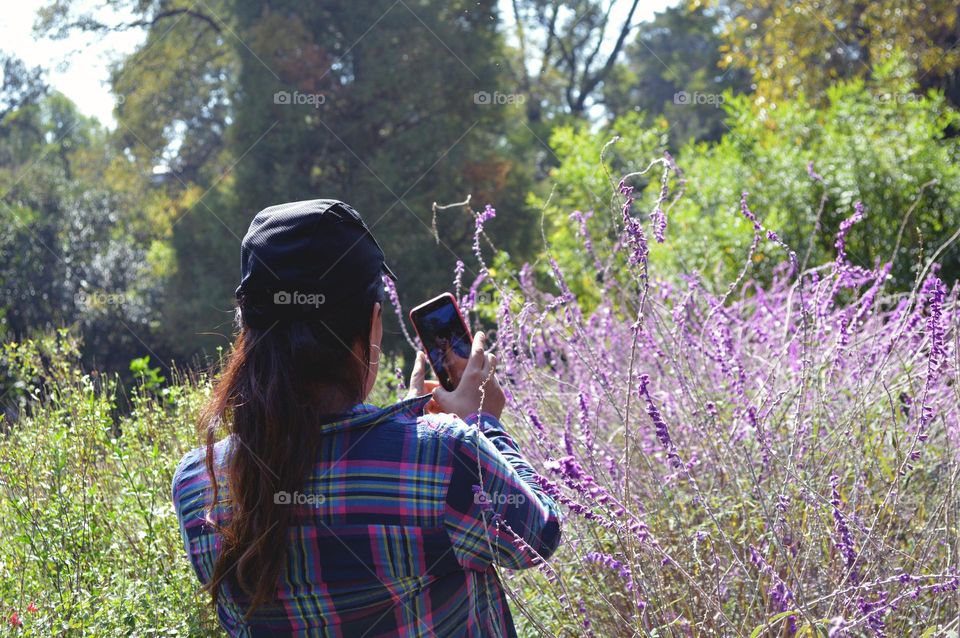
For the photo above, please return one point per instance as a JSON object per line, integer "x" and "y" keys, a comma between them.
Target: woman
{"x": 319, "y": 515}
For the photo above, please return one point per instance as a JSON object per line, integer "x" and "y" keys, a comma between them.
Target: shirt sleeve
{"x": 495, "y": 510}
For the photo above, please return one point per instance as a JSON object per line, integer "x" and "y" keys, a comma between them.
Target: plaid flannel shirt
{"x": 396, "y": 530}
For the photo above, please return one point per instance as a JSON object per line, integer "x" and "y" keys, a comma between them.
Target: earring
{"x": 379, "y": 352}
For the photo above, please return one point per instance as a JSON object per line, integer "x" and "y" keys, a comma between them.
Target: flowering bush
{"x": 777, "y": 459}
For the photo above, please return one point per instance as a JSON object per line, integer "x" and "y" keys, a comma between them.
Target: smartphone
{"x": 445, "y": 337}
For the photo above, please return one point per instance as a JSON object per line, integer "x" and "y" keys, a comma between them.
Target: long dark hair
{"x": 281, "y": 380}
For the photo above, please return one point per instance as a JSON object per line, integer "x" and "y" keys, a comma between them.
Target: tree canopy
{"x": 131, "y": 233}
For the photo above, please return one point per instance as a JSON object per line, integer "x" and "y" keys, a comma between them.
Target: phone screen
{"x": 444, "y": 336}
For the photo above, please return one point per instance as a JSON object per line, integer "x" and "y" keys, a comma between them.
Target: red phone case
{"x": 430, "y": 303}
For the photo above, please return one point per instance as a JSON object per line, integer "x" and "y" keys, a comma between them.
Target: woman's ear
{"x": 376, "y": 334}
{"x": 376, "y": 325}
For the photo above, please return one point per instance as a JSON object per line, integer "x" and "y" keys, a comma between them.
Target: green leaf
{"x": 772, "y": 621}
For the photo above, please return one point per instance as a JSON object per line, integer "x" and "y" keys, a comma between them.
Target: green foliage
{"x": 144, "y": 262}
{"x": 74, "y": 254}
{"x": 205, "y": 246}
{"x": 582, "y": 182}
{"x": 149, "y": 377}
{"x": 29, "y": 367}
{"x": 874, "y": 141}
{"x": 394, "y": 131}
{"x": 672, "y": 71}
{"x": 173, "y": 94}
{"x": 793, "y": 45}
{"x": 877, "y": 142}
{"x": 87, "y": 529}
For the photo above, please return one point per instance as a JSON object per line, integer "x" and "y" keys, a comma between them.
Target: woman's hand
{"x": 420, "y": 385}
{"x": 478, "y": 388}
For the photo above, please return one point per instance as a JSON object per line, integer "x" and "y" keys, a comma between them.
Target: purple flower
{"x": 845, "y": 225}
{"x": 663, "y": 434}
{"x": 658, "y": 217}
{"x": 874, "y": 611}
{"x": 621, "y": 568}
{"x": 470, "y": 299}
{"x": 935, "y": 327}
{"x": 781, "y": 598}
{"x": 585, "y": 420}
{"x": 935, "y": 360}
{"x": 488, "y": 213}
{"x": 633, "y": 233}
{"x": 822, "y": 367}
{"x": 535, "y": 420}
{"x": 844, "y": 540}
{"x": 395, "y": 302}
{"x": 746, "y": 212}
{"x": 582, "y": 608}
{"x": 458, "y": 277}
{"x": 584, "y": 233}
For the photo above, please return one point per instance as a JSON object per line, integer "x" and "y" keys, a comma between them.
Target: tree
{"x": 561, "y": 55}
{"x": 382, "y": 105}
{"x": 672, "y": 70}
{"x": 21, "y": 92}
{"x": 70, "y": 257}
{"x": 793, "y": 45}
{"x": 173, "y": 92}
{"x": 571, "y": 64}
{"x": 374, "y": 103}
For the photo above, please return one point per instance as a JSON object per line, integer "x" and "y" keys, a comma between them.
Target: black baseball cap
{"x": 307, "y": 258}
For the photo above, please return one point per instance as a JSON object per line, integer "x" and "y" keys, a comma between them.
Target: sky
{"x": 79, "y": 66}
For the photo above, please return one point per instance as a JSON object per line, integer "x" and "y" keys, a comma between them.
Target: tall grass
{"x": 89, "y": 544}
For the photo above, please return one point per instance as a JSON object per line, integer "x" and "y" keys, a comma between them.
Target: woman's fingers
{"x": 478, "y": 389}
{"x": 489, "y": 365}
{"x": 417, "y": 376}
{"x": 477, "y": 359}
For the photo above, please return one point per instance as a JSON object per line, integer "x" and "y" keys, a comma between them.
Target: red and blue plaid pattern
{"x": 393, "y": 533}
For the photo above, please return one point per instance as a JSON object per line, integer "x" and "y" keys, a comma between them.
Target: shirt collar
{"x": 365, "y": 414}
